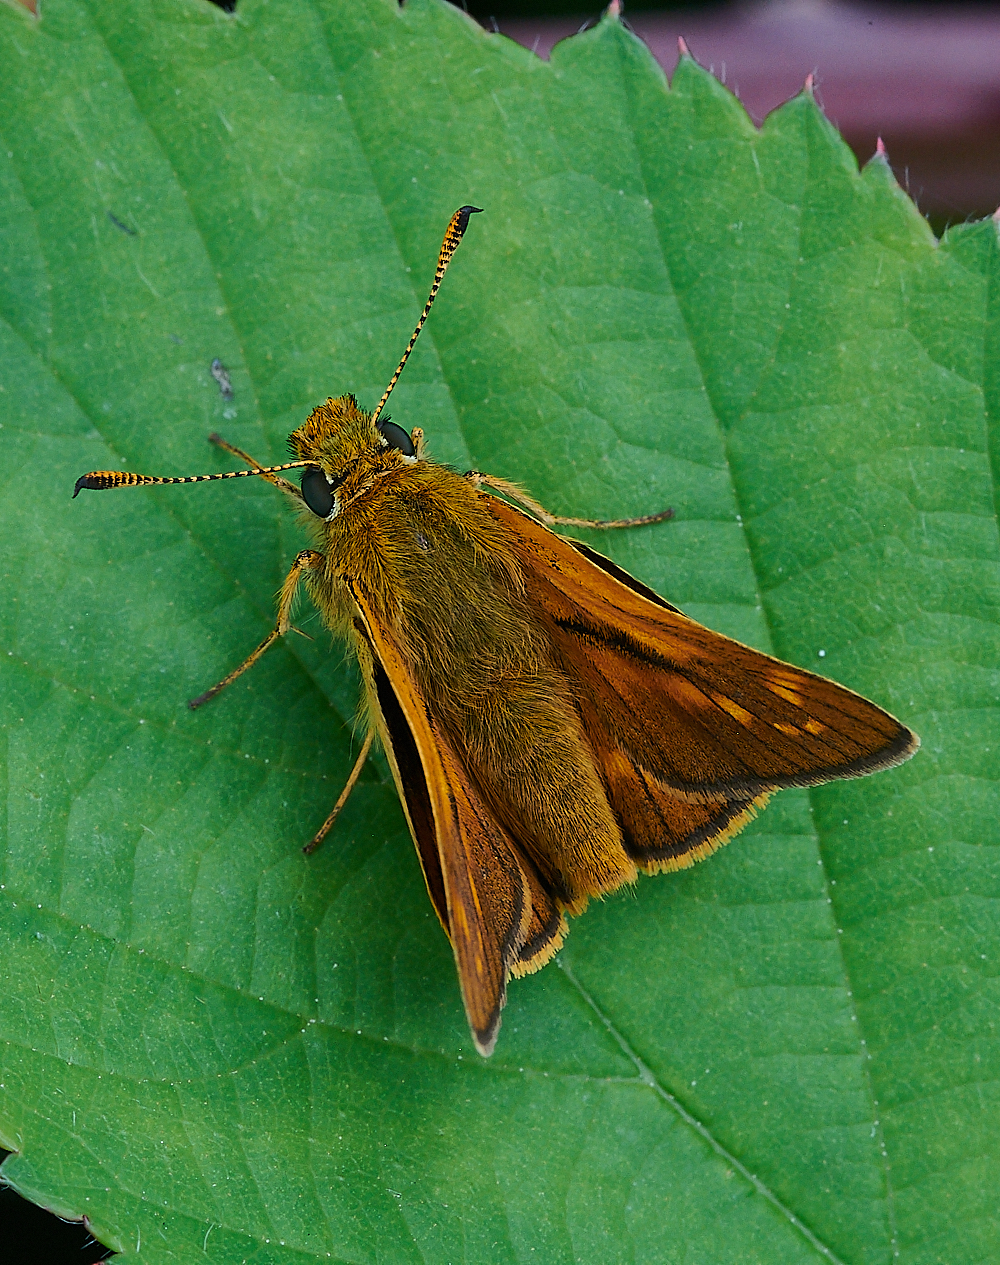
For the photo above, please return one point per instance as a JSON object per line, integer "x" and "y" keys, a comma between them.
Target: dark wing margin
{"x": 621, "y": 575}
{"x": 416, "y": 800}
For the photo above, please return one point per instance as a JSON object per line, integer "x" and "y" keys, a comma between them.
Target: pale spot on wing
{"x": 787, "y": 729}
{"x": 785, "y": 692}
{"x": 814, "y": 726}
{"x": 688, "y": 695}
{"x": 617, "y": 761}
{"x": 737, "y": 712}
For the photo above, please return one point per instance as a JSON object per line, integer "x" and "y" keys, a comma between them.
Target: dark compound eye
{"x": 317, "y": 492}
{"x": 396, "y": 437}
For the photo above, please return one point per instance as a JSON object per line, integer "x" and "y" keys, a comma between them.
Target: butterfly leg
{"x": 278, "y": 482}
{"x": 308, "y": 560}
{"x": 342, "y": 799}
{"x": 519, "y": 497}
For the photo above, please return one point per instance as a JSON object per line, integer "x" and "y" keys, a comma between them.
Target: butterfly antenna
{"x": 102, "y": 480}
{"x": 453, "y": 235}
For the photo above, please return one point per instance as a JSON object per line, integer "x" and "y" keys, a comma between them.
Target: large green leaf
{"x": 213, "y": 1047}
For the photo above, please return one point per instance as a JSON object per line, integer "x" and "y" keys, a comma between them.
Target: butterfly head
{"x": 346, "y": 449}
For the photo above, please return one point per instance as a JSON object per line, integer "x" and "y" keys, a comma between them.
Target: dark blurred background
{"x": 924, "y": 77}
{"x": 32, "y": 1236}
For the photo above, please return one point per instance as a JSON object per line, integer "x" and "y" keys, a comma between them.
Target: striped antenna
{"x": 101, "y": 480}
{"x": 453, "y": 235}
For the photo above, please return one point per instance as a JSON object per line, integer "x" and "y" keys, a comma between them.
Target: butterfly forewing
{"x": 707, "y": 717}
{"x": 498, "y": 915}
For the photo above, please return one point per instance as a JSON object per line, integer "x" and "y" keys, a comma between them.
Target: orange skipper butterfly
{"x": 554, "y": 727}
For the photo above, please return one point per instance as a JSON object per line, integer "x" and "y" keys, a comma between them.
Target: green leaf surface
{"x": 217, "y": 1049}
